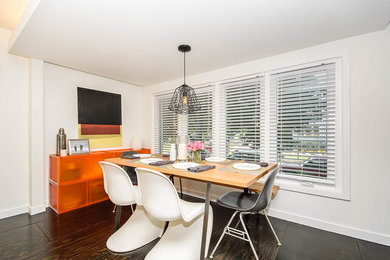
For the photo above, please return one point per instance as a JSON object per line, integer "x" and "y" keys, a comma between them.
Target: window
{"x": 239, "y": 118}
{"x": 198, "y": 126}
{"x": 304, "y": 123}
{"x": 165, "y": 127}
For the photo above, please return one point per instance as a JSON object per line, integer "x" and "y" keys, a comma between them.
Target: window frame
{"x": 156, "y": 134}
{"x": 222, "y": 88}
{"x": 341, "y": 188}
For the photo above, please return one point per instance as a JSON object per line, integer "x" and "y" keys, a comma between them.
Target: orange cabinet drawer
{"x": 69, "y": 169}
{"x": 68, "y": 197}
{"x": 94, "y": 170}
{"x": 54, "y": 167}
{"x": 96, "y": 191}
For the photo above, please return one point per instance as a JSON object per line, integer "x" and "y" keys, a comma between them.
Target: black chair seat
{"x": 246, "y": 203}
{"x": 241, "y": 201}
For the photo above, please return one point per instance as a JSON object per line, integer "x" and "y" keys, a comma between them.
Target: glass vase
{"x": 181, "y": 144}
{"x": 197, "y": 156}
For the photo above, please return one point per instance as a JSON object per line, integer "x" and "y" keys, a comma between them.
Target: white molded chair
{"x": 140, "y": 228}
{"x": 183, "y": 237}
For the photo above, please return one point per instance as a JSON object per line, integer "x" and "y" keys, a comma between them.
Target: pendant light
{"x": 184, "y": 99}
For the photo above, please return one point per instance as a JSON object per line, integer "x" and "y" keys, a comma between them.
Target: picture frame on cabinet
{"x": 78, "y": 146}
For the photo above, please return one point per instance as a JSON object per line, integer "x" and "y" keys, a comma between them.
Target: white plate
{"x": 215, "y": 159}
{"x": 150, "y": 160}
{"x": 141, "y": 155}
{"x": 246, "y": 166}
{"x": 184, "y": 165}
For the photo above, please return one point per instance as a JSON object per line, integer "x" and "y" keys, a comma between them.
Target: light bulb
{"x": 185, "y": 100}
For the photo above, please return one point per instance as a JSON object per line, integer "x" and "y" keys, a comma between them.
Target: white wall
{"x": 24, "y": 114}
{"x": 60, "y": 105}
{"x": 14, "y": 101}
{"x": 367, "y": 214}
{"x": 37, "y": 181}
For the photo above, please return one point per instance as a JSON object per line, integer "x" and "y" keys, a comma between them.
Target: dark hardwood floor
{"x": 82, "y": 234}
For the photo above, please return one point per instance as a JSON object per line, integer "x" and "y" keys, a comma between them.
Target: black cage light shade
{"x": 184, "y": 99}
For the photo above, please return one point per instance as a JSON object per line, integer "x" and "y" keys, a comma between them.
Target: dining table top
{"x": 223, "y": 174}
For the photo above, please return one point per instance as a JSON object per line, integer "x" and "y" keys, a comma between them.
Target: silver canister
{"x": 61, "y": 141}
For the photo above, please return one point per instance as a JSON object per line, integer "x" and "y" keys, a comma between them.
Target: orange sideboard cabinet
{"x": 76, "y": 181}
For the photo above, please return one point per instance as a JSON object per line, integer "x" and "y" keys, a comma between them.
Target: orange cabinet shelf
{"x": 96, "y": 191}
{"x": 77, "y": 181}
{"x": 64, "y": 198}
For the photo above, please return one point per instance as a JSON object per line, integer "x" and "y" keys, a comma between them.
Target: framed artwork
{"x": 78, "y": 146}
{"x": 99, "y": 117}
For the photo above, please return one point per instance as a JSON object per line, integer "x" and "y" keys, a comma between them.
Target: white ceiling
{"x": 136, "y": 41}
{"x": 10, "y": 12}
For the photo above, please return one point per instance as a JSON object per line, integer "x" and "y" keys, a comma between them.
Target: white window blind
{"x": 200, "y": 123}
{"x": 238, "y": 131}
{"x": 302, "y": 123}
{"x": 165, "y": 124}
{"x": 198, "y": 126}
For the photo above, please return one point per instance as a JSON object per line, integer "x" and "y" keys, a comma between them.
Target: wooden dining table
{"x": 223, "y": 174}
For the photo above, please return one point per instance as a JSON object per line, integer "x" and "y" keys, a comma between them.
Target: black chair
{"x": 247, "y": 203}
{"x": 130, "y": 170}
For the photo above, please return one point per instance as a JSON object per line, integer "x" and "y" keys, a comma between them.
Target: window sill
{"x": 316, "y": 189}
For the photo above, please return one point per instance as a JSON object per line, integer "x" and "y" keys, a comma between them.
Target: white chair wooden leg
{"x": 138, "y": 230}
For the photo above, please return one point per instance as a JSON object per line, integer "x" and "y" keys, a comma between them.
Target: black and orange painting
{"x": 99, "y": 117}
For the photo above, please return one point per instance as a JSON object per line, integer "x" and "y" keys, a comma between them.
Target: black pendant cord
{"x": 184, "y": 67}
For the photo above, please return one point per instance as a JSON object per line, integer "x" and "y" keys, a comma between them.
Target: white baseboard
{"x": 13, "y": 212}
{"x": 36, "y": 209}
{"x": 332, "y": 227}
{"x": 315, "y": 223}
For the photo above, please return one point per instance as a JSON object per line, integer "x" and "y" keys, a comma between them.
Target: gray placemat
{"x": 157, "y": 155}
{"x": 230, "y": 168}
{"x": 224, "y": 162}
{"x": 134, "y": 161}
{"x": 170, "y": 167}
{"x": 138, "y": 161}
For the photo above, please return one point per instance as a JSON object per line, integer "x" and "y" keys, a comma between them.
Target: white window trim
{"x": 342, "y": 188}
{"x": 152, "y": 142}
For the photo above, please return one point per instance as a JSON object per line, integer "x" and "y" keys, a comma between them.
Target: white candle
{"x": 172, "y": 154}
{"x": 182, "y": 152}
{"x": 64, "y": 153}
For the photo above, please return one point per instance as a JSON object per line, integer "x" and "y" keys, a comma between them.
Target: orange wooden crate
{"x": 65, "y": 198}
{"x": 96, "y": 191}
{"x": 94, "y": 170}
{"x": 69, "y": 169}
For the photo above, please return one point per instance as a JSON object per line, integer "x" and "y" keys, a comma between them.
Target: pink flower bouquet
{"x": 195, "y": 146}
